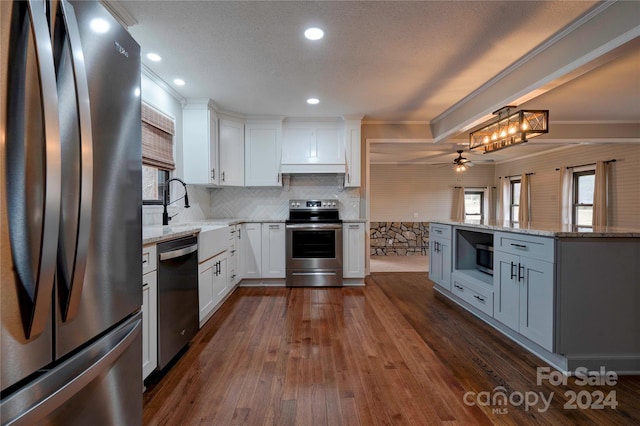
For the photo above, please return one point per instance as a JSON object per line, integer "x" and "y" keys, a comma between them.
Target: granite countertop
{"x": 549, "y": 229}
{"x": 152, "y": 234}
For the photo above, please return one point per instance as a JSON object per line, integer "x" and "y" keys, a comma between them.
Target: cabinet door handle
{"x": 144, "y": 261}
{"x": 479, "y": 298}
{"x": 519, "y": 245}
{"x": 513, "y": 275}
{"x": 223, "y": 176}
{"x": 213, "y": 174}
{"x": 354, "y": 226}
{"x": 274, "y": 226}
{"x": 520, "y": 268}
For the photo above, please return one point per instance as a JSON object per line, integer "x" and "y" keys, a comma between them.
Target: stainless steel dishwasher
{"x": 177, "y": 296}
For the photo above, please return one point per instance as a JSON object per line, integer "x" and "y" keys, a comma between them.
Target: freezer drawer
{"x": 100, "y": 385}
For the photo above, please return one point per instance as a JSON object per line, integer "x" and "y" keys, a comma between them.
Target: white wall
{"x": 398, "y": 192}
{"x": 624, "y": 179}
{"x": 170, "y": 104}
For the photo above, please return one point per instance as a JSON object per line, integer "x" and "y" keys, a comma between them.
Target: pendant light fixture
{"x": 510, "y": 129}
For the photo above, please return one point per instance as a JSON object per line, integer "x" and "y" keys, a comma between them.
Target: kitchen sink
{"x": 213, "y": 239}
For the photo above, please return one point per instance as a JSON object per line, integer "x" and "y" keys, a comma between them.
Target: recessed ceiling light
{"x": 313, "y": 101}
{"x": 99, "y": 25}
{"x": 154, "y": 57}
{"x": 314, "y": 33}
{"x": 179, "y": 82}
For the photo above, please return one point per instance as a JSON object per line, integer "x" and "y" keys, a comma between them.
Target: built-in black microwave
{"x": 484, "y": 258}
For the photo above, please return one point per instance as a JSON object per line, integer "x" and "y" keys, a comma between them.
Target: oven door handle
{"x": 314, "y": 226}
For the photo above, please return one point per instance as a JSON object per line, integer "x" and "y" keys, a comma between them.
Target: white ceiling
{"x": 386, "y": 61}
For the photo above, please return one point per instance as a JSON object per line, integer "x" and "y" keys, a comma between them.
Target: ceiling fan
{"x": 461, "y": 163}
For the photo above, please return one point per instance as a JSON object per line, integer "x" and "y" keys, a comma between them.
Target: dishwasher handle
{"x": 183, "y": 251}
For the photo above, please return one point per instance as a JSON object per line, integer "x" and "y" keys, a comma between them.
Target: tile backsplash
{"x": 258, "y": 203}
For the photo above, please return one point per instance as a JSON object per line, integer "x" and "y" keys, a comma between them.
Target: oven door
{"x": 314, "y": 245}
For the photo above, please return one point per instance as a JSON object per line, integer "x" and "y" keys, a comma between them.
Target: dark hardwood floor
{"x": 390, "y": 353}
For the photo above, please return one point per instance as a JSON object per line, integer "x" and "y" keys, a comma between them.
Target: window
{"x": 153, "y": 179}
{"x": 583, "y": 185}
{"x": 514, "y": 209}
{"x": 157, "y": 153}
{"x": 474, "y": 205}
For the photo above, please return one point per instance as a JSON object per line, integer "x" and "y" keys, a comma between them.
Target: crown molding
{"x": 146, "y": 71}
{"x": 119, "y": 12}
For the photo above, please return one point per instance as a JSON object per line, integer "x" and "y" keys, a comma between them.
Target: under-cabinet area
{"x": 566, "y": 296}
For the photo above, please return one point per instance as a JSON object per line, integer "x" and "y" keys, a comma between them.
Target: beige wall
{"x": 624, "y": 179}
{"x": 398, "y": 192}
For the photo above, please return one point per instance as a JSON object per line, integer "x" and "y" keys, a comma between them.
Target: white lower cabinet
{"x": 213, "y": 285}
{"x": 149, "y": 311}
{"x": 262, "y": 250}
{"x": 251, "y": 250}
{"x": 233, "y": 255}
{"x": 353, "y": 250}
{"x": 273, "y": 250}
{"x": 524, "y": 294}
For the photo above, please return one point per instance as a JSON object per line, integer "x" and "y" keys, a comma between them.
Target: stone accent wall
{"x": 399, "y": 238}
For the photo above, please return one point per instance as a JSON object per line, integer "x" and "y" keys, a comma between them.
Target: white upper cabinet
{"x": 263, "y": 146}
{"x": 231, "y": 152}
{"x": 352, "y": 153}
{"x": 313, "y": 147}
{"x": 200, "y": 143}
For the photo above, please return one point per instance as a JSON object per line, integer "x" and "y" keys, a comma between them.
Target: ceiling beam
{"x": 591, "y": 41}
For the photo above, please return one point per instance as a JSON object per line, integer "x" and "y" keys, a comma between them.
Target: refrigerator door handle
{"x": 37, "y": 400}
{"x": 33, "y": 241}
{"x": 72, "y": 289}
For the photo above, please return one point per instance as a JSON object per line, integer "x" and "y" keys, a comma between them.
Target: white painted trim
{"x": 369, "y": 140}
{"x": 395, "y": 122}
{"x": 594, "y": 122}
{"x": 120, "y": 13}
{"x": 147, "y": 72}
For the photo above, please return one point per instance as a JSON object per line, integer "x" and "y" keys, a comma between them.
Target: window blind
{"x": 157, "y": 138}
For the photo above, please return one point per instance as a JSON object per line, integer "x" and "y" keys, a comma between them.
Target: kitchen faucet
{"x": 165, "y": 215}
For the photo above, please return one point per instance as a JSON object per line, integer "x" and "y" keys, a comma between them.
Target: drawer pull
{"x": 481, "y": 299}
{"x": 459, "y": 287}
{"x": 518, "y": 245}
{"x": 438, "y": 231}
{"x": 144, "y": 261}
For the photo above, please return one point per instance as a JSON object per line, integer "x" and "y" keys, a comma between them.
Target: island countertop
{"x": 548, "y": 229}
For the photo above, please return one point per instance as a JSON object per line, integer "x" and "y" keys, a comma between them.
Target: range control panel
{"x": 313, "y": 204}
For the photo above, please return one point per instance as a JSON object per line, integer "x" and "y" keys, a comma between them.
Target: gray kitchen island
{"x": 571, "y": 296}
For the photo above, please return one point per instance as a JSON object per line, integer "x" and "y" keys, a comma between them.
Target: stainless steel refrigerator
{"x": 70, "y": 216}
